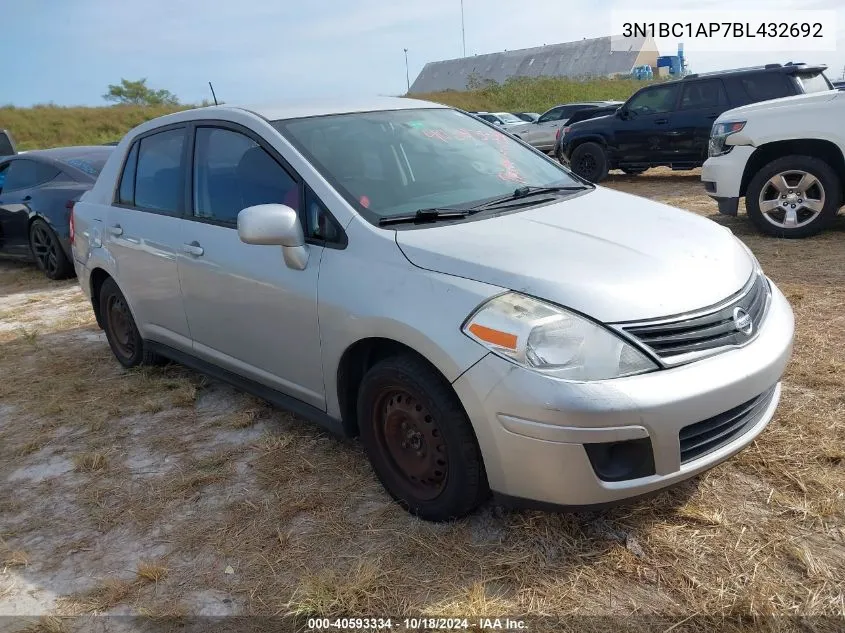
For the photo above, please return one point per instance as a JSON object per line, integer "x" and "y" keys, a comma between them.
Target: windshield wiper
{"x": 526, "y": 192}
{"x": 426, "y": 215}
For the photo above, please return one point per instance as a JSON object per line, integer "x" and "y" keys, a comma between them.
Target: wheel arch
{"x": 824, "y": 150}
{"x": 96, "y": 279}
{"x": 354, "y": 363}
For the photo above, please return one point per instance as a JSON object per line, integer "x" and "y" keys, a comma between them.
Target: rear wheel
{"x": 793, "y": 197}
{"x": 48, "y": 252}
{"x": 419, "y": 440}
{"x": 121, "y": 332}
{"x": 590, "y": 162}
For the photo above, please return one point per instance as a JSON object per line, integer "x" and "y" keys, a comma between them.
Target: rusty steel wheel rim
{"x": 411, "y": 443}
{"x": 120, "y": 324}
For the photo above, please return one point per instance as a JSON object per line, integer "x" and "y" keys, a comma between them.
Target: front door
{"x": 645, "y": 136}
{"x": 18, "y": 179}
{"x": 248, "y": 312}
{"x": 142, "y": 231}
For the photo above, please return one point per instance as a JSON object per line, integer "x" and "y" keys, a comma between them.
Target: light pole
{"x": 407, "y": 75}
{"x": 463, "y": 31}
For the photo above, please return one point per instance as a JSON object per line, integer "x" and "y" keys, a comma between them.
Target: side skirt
{"x": 274, "y": 397}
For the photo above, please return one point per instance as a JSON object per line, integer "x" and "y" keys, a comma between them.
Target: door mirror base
{"x": 296, "y": 257}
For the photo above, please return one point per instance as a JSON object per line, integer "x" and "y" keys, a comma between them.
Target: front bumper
{"x": 532, "y": 428}
{"x": 722, "y": 177}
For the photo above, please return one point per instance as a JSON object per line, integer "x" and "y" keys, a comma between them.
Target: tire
{"x": 792, "y": 216}
{"x": 47, "y": 251}
{"x": 121, "y": 332}
{"x": 633, "y": 171}
{"x": 419, "y": 440}
{"x": 590, "y": 162}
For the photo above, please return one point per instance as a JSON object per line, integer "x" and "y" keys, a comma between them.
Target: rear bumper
{"x": 532, "y": 429}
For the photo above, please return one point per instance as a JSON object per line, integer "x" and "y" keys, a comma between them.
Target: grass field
{"x": 52, "y": 126}
{"x": 160, "y": 492}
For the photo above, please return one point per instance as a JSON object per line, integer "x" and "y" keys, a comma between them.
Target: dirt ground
{"x": 163, "y": 493}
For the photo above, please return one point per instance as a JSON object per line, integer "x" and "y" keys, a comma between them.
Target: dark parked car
{"x": 37, "y": 191}
{"x": 7, "y": 144}
{"x": 541, "y": 133}
{"x": 583, "y": 115}
{"x": 839, "y": 85}
{"x": 669, "y": 123}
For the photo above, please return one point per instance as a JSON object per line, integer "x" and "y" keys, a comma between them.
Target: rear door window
{"x": 159, "y": 178}
{"x": 703, "y": 94}
{"x": 554, "y": 114}
{"x": 654, "y": 100}
{"x": 25, "y": 174}
{"x": 765, "y": 86}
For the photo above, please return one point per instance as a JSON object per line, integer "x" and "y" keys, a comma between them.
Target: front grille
{"x": 692, "y": 336}
{"x": 704, "y": 437}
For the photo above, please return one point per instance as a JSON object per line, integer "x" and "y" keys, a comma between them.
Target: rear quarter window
{"x": 812, "y": 82}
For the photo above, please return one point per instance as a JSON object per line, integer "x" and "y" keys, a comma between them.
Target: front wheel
{"x": 793, "y": 197}
{"x": 590, "y": 162}
{"x": 419, "y": 440}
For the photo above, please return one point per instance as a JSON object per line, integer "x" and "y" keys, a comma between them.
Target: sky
{"x": 261, "y": 51}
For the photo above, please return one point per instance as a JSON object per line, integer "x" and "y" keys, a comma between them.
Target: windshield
{"x": 508, "y": 118}
{"x": 813, "y": 82}
{"x": 395, "y": 162}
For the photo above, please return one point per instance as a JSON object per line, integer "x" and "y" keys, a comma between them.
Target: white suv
{"x": 785, "y": 157}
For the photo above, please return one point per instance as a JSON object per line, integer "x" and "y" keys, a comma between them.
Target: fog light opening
{"x": 620, "y": 461}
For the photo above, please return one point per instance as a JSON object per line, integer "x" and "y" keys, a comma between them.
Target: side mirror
{"x": 276, "y": 225}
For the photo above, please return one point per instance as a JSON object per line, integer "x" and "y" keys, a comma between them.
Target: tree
{"x": 138, "y": 93}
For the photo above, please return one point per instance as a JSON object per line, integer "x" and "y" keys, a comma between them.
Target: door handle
{"x": 27, "y": 198}
{"x": 193, "y": 248}
{"x": 116, "y": 230}
{"x": 661, "y": 121}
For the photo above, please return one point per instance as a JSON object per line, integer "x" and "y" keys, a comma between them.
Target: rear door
{"x": 19, "y": 180}
{"x": 644, "y": 137}
{"x": 248, "y": 312}
{"x": 143, "y": 233}
{"x": 755, "y": 87}
{"x": 701, "y": 103}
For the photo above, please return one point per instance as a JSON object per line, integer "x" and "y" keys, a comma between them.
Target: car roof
{"x": 301, "y": 109}
{"x": 789, "y": 68}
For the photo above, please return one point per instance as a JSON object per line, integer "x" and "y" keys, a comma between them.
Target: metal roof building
{"x": 585, "y": 58}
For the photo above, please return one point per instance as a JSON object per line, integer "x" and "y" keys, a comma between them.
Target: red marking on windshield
{"x": 365, "y": 202}
{"x": 509, "y": 171}
{"x": 438, "y": 134}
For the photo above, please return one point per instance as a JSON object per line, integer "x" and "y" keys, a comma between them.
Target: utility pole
{"x": 463, "y": 31}
{"x": 407, "y": 75}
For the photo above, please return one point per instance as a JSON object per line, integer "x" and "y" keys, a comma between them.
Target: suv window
{"x": 23, "y": 174}
{"x": 232, "y": 172}
{"x": 703, "y": 94}
{"x": 554, "y": 114}
{"x": 158, "y": 177}
{"x": 654, "y": 100}
{"x": 813, "y": 82}
{"x": 765, "y": 86}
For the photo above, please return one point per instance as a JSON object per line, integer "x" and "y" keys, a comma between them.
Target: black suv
{"x": 669, "y": 123}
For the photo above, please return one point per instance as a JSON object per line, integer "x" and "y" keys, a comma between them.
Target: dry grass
{"x": 212, "y": 481}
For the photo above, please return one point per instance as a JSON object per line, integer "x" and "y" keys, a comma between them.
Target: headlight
{"x": 719, "y": 134}
{"x": 546, "y": 338}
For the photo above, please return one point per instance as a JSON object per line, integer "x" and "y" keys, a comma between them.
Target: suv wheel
{"x": 419, "y": 440}
{"x": 121, "y": 332}
{"x": 590, "y": 162}
{"x": 793, "y": 197}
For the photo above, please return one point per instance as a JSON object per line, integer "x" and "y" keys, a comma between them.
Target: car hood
{"x": 598, "y": 121}
{"x": 612, "y": 256}
{"x": 776, "y": 105}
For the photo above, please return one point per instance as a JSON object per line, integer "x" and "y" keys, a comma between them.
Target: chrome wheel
{"x": 792, "y": 199}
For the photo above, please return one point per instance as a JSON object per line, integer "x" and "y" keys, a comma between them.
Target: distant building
{"x": 582, "y": 59}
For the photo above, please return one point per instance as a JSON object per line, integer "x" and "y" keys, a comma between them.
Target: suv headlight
{"x": 544, "y": 337}
{"x": 719, "y": 135}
